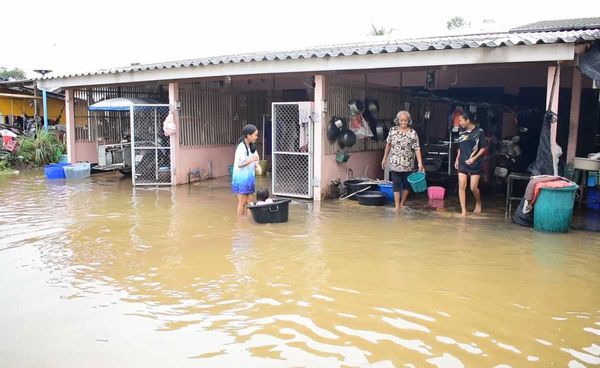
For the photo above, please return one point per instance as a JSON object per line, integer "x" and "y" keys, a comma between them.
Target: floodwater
{"x": 97, "y": 274}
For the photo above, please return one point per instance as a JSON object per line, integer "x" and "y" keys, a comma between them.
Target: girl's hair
{"x": 262, "y": 194}
{"x": 248, "y": 130}
{"x": 468, "y": 115}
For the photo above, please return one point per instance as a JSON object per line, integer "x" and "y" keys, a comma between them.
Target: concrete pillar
{"x": 320, "y": 124}
{"x": 70, "y": 123}
{"x": 574, "y": 115}
{"x": 175, "y": 148}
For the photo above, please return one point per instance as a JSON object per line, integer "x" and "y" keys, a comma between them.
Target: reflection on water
{"x": 99, "y": 274}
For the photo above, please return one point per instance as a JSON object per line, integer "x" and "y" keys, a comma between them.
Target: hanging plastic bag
{"x": 360, "y": 127}
{"x": 169, "y": 127}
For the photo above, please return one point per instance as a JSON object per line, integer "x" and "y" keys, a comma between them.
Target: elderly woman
{"x": 402, "y": 148}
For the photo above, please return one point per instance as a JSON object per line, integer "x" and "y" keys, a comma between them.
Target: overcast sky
{"x": 70, "y": 36}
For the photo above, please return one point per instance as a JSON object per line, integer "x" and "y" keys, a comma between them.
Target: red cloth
{"x": 549, "y": 184}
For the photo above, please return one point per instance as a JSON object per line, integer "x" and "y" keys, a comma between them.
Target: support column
{"x": 552, "y": 70}
{"x": 318, "y": 154}
{"x": 45, "y": 102}
{"x": 70, "y": 123}
{"x": 36, "y": 112}
{"x": 174, "y": 139}
{"x": 574, "y": 115}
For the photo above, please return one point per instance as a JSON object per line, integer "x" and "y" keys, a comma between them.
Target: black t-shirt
{"x": 470, "y": 143}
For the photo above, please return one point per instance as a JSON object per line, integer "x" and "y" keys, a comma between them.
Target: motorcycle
{"x": 507, "y": 159}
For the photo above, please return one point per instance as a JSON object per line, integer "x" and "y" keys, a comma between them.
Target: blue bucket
{"x": 388, "y": 189}
{"x": 55, "y": 171}
{"x": 417, "y": 182}
{"x": 553, "y": 209}
{"x": 231, "y": 171}
{"x": 593, "y": 199}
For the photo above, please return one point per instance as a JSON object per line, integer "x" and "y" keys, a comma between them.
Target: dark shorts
{"x": 469, "y": 170}
{"x": 400, "y": 180}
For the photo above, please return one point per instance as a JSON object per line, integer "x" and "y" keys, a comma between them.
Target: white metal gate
{"x": 150, "y": 148}
{"x": 292, "y": 149}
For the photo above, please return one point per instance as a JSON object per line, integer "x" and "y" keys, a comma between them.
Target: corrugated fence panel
{"x": 213, "y": 114}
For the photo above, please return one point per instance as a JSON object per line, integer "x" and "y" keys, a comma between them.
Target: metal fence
{"x": 151, "y": 148}
{"x": 213, "y": 114}
{"x": 340, "y": 91}
{"x": 292, "y": 150}
{"x": 111, "y": 126}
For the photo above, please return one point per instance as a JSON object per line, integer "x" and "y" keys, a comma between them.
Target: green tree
{"x": 8, "y": 74}
{"x": 456, "y": 23}
{"x": 379, "y": 31}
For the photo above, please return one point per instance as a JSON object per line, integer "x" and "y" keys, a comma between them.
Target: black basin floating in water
{"x": 354, "y": 185}
{"x": 371, "y": 198}
{"x": 270, "y": 213}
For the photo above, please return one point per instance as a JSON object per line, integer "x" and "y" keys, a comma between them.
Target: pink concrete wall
{"x": 86, "y": 152}
{"x": 192, "y": 158}
{"x": 358, "y": 162}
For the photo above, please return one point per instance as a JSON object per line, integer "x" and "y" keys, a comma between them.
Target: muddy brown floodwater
{"x": 98, "y": 274}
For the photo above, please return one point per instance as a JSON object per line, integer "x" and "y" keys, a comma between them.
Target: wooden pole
{"x": 574, "y": 115}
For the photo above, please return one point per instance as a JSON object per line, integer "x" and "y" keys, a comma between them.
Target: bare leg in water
{"x": 476, "y": 192}
{"x": 404, "y": 197}
{"x": 397, "y": 202}
{"x": 243, "y": 200}
{"x": 462, "y": 193}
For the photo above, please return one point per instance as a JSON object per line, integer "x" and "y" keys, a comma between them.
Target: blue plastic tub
{"x": 77, "y": 171}
{"x": 388, "y": 189}
{"x": 55, "y": 171}
{"x": 553, "y": 210}
{"x": 593, "y": 199}
{"x": 417, "y": 182}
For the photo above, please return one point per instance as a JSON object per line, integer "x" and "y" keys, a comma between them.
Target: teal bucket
{"x": 231, "y": 171}
{"x": 553, "y": 209}
{"x": 417, "y": 182}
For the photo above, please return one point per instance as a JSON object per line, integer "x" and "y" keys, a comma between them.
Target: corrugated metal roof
{"x": 490, "y": 40}
{"x": 560, "y": 25}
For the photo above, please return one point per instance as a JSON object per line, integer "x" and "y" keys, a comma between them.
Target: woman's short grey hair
{"x": 403, "y": 112}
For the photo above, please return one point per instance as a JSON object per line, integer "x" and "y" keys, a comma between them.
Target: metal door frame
{"x": 155, "y": 148}
{"x": 275, "y": 153}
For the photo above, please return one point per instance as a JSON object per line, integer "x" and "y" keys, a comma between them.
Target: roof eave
{"x": 465, "y": 56}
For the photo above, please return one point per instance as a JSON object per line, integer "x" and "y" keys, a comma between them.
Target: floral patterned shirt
{"x": 402, "y": 153}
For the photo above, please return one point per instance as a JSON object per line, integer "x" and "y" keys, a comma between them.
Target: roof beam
{"x": 482, "y": 55}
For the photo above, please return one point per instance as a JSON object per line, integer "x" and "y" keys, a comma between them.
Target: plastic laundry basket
{"x": 417, "y": 182}
{"x": 553, "y": 209}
